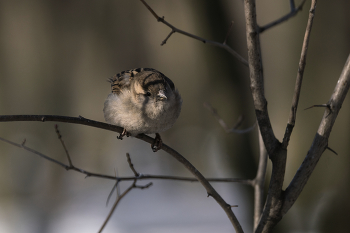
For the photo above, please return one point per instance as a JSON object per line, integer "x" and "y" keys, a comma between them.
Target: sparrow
{"x": 143, "y": 100}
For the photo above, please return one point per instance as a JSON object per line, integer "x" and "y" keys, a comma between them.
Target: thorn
{"x": 43, "y": 119}
{"x": 209, "y": 195}
{"x": 233, "y": 206}
{"x": 319, "y": 105}
{"x": 322, "y": 105}
{"x": 331, "y": 150}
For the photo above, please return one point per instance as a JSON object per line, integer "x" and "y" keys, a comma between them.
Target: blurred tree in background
{"x": 55, "y": 58}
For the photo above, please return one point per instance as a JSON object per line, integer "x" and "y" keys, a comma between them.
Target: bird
{"x": 142, "y": 101}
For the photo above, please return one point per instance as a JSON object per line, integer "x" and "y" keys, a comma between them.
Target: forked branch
{"x": 209, "y": 188}
{"x": 320, "y": 142}
{"x": 214, "y": 43}
{"x": 125, "y": 178}
{"x": 133, "y": 186}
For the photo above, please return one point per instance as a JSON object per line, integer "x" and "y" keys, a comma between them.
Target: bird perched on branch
{"x": 143, "y": 100}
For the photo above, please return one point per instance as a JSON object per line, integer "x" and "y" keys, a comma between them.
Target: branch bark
{"x": 276, "y": 153}
{"x": 299, "y": 80}
{"x": 320, "y": 142}
{"x": 257, "y": 78}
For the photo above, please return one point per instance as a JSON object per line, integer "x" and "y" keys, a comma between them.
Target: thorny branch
{"x": 320, "y": 142}
{"x": 214, "y": 43}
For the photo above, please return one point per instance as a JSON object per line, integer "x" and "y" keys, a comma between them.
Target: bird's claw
{"x": 157, "y": 143}
{"x": 122, "y": 134}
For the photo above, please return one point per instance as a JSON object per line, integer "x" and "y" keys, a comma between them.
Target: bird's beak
{"x": 161, "y": 95}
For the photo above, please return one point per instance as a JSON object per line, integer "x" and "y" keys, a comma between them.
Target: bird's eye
{"x": 148, "y": 93}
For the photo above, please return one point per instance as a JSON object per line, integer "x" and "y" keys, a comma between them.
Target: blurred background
{"x": 55, "y": 58}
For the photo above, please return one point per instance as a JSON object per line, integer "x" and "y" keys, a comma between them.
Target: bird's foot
{"x": 122, "y": 134}
{"x": 157, "y": 143}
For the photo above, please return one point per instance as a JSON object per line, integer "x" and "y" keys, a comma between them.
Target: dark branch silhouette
{"x": 293, "y": 12}
{"x": 214, "y": 43}
{"x": 210, "y": 190}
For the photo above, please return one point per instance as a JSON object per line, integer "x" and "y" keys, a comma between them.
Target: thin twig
{"x": 214, "y": 43}
{"x": 131, "y": 165}
{"x": 299, "y": 80}
{"x": 166, "y": 39}
{"x": 293, "y": 12}
{"x": 128, "y": 178}
{"x": 115, "y": 186}
{"x": 115, "y": 205}
{"x": 35, "y": 152}
{"x": 144, "y": 186}
{"x": 224, "y": 125}
{"x": 118, "y": 187}
{"x": 64, "y": 146}
{"x": 120, "y": 197}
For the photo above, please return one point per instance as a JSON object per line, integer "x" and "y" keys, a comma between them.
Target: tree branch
{"x": 277, "y": 155}
{"x": 210, "y": 190}
{"x": 259, "y": 182}
{"x": 320, "y": 142}
{"x": 299, "y": 80}
{"x": 128, "y": 178}
{"x": 293, "y": 12}
{"x": 115, "y": 205}
{"x": 257, "y": 79}
{"x": 214, "y": 43}
{"x": 63, "y": 145}
{"x": 125, "y": 192}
